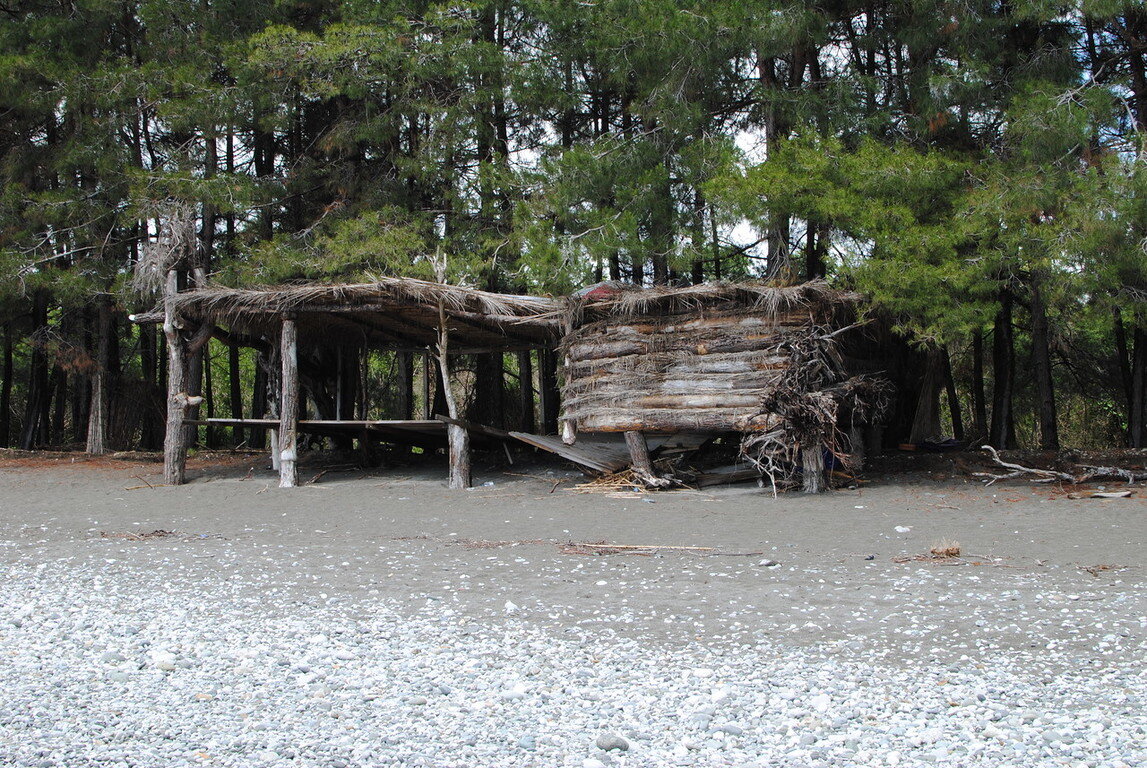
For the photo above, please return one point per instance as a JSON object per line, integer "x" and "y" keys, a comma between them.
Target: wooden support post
{"x": 289, "y": 410}
{"x": 812, "y": 460}
{"x": 856, "y": 447}
{"x": 639, "y": 452}
{"x": 426, "y": 405}
{"x": 642, "y": 464}
{"x": 275, "y": 450}
{"x": 458, "y": 437}
{"x": 174, "y": 440}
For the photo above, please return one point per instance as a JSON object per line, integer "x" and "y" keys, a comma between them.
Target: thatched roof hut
{"x": 696, "y": 358}
{"x": 389, "y": 313}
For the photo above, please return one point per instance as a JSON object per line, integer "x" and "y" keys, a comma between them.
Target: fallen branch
{"x": 1086, "y": 472}
{"x": 601, "y": 548}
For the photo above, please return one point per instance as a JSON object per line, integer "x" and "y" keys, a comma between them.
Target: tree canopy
{"x": 975, "y": 167}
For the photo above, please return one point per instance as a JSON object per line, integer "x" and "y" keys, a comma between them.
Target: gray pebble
{"x": 611, "y": 741}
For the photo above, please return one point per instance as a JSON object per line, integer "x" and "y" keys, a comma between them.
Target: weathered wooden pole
{"x": 812, "y": 461}
{"x": 639, "y": 452}
{"x": 639, "y": 459}
{"x": 457, "y": 437}
{"x": 289, "y": 408}
{"x": 426, "y": 404}
{"x": 98, "y": 413}
{"x": 175, "y": 436}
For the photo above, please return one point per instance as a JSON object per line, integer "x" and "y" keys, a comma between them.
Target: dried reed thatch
{"x": 177, "y": 242}
{"x": 761, "y": 299}
{"x": 388, "y": 312}
{"x": 224, "y": 304}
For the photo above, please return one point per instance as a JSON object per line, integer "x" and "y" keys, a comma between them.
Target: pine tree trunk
{"x": 816, "y": 263}
{"x": 211, "y": 434}
{"x": 1041, "y": 368}
{"x": 6, "y": 370}
{"x": 1123, "y": 360}
{"x": 150, "y": 433}
{"x": 1003, "y": 374}
{"x": 489, "y": 390}
{"x": 548, "y": 386}
{"x": 235, "y": 392}
{"x": 979, "y": 396}
{"x": 440, "y": 401}
{"x": 926, "y": 422}
{"x": 98, "y": 413}
{"x": 953, "y": 399}
{"x": 258, "y": 437}
{"x": 526, "y": 390}
{"x": 404, "y": 363}
{"x": 1138, "y": 411}
{"x": 35, "y": 411}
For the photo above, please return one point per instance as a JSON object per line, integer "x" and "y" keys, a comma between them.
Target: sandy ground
{"x": 844, "y": 571}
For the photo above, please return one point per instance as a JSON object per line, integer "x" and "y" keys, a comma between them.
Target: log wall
{"x": 700, "y": 372}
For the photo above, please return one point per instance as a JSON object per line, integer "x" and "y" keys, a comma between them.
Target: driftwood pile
{"x": 801, "y": 413}
{"x": 1082, "y": 472}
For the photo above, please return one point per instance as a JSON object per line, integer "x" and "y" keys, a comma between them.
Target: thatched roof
{"x": 391, "y": 312}
{"x": 626, "y": 300}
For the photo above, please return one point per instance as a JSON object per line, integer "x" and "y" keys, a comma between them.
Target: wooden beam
{"x": 289, "y": 412}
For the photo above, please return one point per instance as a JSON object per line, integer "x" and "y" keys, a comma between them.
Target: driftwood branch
{"x": 1084, "y": 473}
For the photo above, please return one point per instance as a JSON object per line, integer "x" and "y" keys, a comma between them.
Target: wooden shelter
{"x": 399, "y": 314}
{"x": 695, "y": 358}
{"x": 707, "y": 358}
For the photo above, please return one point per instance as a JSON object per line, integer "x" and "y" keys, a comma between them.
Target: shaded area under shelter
{"x": 311, "y": 337}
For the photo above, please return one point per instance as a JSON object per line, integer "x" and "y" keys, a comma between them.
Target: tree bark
{"x": 211, "y": 433}
{"x": 1041, "y": 368}
{"x": 235, "y": 392}
{"x": 149, "y": 364}
{"x": 404, "y": 364}
{"x": 489, "y": 390}
{"x": 1003, "y": 374}
{"x": 289, "y": 406}
{"x": 1123, "y": 359}
{"x": 36, "y": 410}
{"x": 440, "y": 403}
{"x": 1138, "y": 410}
{"x": 6, "y": 389}
{"x": 258, "y": 400}
{"x": 926, "y": 422}
{"x": 526, "y": 390}
{"x": 175, "y": 436}
{"x": 639, "y": 453}
{"x": 459, "y": 438}
{"x": 816, "y": 262}
{"x": 953, "y": 400}
{"x": 548, "y": 385}
{"x": 979, "y": 397}
{"x": 812, "y": 475}
{"x": 98, "y": 413}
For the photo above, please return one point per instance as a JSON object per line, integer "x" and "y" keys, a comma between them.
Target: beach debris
{"x": 1084, "y": 472}
{"x": 602, "y": 548}
{"x": 946, "y": 549}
